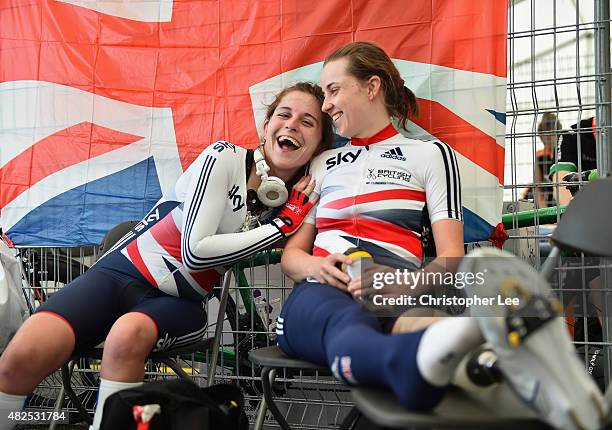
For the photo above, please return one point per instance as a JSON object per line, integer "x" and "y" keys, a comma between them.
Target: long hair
{"x": 365, "y": 60}
{"x": 327, "y": 129}
{"x": 327, "y": 136}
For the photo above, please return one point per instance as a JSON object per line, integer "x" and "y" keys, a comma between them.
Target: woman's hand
{"x": 297, "y": 207}
{"x": 328, "y": 272}
{"x": 305, "y": 185}
{"x": 371, "y": 282}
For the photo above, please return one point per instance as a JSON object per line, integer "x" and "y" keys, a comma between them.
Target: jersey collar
{"x": 383, "y": 134}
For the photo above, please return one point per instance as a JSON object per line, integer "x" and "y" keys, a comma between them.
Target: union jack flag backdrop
{"x": 103, "y": 104}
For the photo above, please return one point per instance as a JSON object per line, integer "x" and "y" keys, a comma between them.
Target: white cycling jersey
{"x": 379, "y": 193}
{"x": 194, "y": 233}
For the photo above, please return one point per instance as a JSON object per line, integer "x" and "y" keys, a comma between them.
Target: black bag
{"x": 184, "y": 406}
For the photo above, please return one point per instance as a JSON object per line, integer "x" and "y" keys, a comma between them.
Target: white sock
{"x": 106, "y": 389}
{"x": 9, "y": 403}
{"x": 443, "y": 345}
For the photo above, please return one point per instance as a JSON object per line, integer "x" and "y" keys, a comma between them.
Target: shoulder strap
{"x": 249, "y": 163}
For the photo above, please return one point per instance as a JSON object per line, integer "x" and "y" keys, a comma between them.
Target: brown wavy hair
{"x": 365, "y": 59}
{"x": 327, "y": 137}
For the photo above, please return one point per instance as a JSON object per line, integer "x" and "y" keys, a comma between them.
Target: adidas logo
{"x": 395, "y": 153}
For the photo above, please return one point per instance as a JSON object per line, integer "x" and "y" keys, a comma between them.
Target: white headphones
{"x": 272, "y": 191}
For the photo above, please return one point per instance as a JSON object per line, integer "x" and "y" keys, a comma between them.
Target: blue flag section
{"x": 81, "y": 215}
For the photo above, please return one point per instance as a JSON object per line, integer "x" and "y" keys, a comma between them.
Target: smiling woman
{"x": 380, "y": 193}
{"x": 292, "y": 132}
{"x": 170, "y": 261}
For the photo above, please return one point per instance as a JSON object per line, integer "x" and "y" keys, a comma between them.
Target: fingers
{"x": 309, "y": 187}
{"x": 314, "y": 198}
{"x": 331, "y": 274}
{"x": 332, "y": 264}
{"x": 302, "y": 183}
{"x": 305, "y": 185}
{"x": 368, "y": 292}
{"x": 334, "y": 282}
{"x": 359, "y": 289}
{"x": 354, "y": 287}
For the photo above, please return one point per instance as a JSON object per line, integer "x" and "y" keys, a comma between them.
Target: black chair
{"x": 168, "y": 357}
{"x": 270, "y": 359}
{"x": 458, "y": 409}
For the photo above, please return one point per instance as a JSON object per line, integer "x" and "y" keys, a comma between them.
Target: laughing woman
{"x": 162, "y": 269}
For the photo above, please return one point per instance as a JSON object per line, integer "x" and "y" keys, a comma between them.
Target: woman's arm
{"x": 560, "y": 192}
{"x": 202, "y": 246}
{"x": 299, "y": 264}
{"x": 539, "y": 194}
{"x": 448, "y": 236}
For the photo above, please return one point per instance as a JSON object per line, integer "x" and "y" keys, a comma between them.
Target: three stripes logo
{"x": 395, "y": 153}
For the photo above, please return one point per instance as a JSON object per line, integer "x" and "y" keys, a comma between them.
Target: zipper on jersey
{"x": 360, "y": 187}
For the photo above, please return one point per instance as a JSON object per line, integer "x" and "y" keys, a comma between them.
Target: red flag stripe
{"x": 374, "y": 230}
{"x": 377, "y": 196}
{"x": 462, "y": 136}
{"x": 56, "y": 152}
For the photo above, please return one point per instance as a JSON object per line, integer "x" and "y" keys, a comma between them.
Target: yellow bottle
{"x": 357, "y": 256}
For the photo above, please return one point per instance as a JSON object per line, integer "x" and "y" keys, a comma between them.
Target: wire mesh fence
{"x": 554, "y": 72}
{"x": 551, "y": 70}
{"x": 556, "y": 67}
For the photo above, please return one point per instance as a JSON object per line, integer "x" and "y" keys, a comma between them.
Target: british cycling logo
{"x": 390, "y": 176}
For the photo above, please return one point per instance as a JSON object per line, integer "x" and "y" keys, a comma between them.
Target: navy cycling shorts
{"x": 95, "y": 300}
